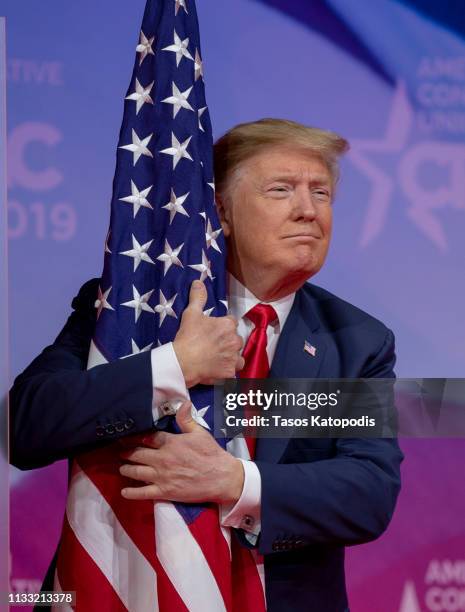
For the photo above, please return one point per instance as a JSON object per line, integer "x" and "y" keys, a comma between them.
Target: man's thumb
{"x": 184, "y": 418}
{"x": 198, "y": 295}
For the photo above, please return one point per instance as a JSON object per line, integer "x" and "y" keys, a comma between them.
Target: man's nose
{"x": 304, "y": 206}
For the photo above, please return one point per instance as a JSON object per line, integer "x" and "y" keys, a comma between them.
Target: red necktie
{"x": 256, "y": 358}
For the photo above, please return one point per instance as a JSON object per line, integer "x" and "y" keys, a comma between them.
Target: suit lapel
{"x": 292, "y": 361}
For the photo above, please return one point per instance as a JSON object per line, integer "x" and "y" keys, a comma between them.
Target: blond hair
{"x": 247, "y": 139}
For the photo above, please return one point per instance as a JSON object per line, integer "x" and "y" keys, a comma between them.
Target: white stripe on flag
{"x": 95, "y": 356}
{"x": 108, "y": 544}
{"x": 184, "y": 562}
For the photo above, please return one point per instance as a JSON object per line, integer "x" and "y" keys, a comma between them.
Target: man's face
{"x": 278, "y": 219}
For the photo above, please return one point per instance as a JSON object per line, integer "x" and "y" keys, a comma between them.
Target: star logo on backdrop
{"x": 138, "y": 146}
{"x": 204, "y": 268}
{"x": 138, "y": 198}
{"x": 178, "y": 150}
{"x": 141, "y": 95}
{"x": 165, "y": 307}
{"x": 144, "y": 47}
{"x": 412, "y": 158}
{"x": 135, "y": 350}
{"x": 102, "y": 301}
{"x": 175, "y": 205}
{"x": 180, "y": 48}
{"x": 198, "y": 65}
{"x": 179, "y": 100}
{"x": 170, "y": 257}
{"x": 139, "y": 302}
{"x": 138, "y": 252}
{"x": 179, "y": 4}
{"x": 211, "y": 236}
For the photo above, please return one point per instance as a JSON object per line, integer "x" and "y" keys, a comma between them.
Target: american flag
{"x": 164, "y": 233}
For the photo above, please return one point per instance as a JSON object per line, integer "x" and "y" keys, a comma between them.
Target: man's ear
{"x": 223, "y": 214}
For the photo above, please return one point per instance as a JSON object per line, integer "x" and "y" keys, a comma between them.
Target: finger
{"x": 156, "y": 440}
{"x": 231, "y": 318}
{"x": 142, "y": 454}
{"x": 240, "y": 363}
{"x": 184, "y": 418}
{"x": 138, "y": 472}
{"x": 198, "y": 295}
{"x": 147, "y": 492}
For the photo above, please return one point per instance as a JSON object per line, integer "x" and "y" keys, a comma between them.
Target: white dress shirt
{"x": 170, "y": 391}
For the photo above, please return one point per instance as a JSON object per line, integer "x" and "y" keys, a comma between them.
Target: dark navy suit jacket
{"x": 318, "y": 495}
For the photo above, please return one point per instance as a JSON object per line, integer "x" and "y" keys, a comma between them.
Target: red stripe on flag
{"x": 78, "y": 572}
{"x": 137, "y": 517}
{"x": 205, "y": 529}
{"x": 248, "y": 593}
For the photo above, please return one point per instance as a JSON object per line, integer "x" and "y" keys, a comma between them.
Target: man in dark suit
{"x": 299, "y": 501}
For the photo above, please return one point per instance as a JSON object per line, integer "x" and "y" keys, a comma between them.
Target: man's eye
{"x": 321, "y": 193}
{"x": 279, "y": 189}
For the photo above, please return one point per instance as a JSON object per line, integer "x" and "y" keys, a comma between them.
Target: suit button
{"x": 110, "y": 430}
{"x": 129, "y": 424}
{"x": 299, "y": 543}
{"x": 119, "y": 426}
{"x": 100, "y": 431}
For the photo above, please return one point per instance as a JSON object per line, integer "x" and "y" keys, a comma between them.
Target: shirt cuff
{"x": 245, "y": 513}
{"x": 169, "y": 387}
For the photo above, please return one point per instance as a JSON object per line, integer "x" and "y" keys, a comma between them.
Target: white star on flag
{"x": 180, "y": 48}
{"x": 175, "y": 205}
{"x": 136, "y": 350}
{"x": 180, "y": 3}
{"x": 225, "y": 304}
{"x": 139, "y": 302}
{"x": 107, "y": 248}
{"x": 141, "y": 95}
{"x": 178, "y": 150}
{"x": 170, "y": 257}
{"x": 198, "y": 415}
{"x": 211, "y": 236}
{"x": 165, "y": 307}
{"x": 138, "y": 198}
{"x": 179, "y": 99}
{"x": 198, "y": 65}
{"x": 138, "y": 146}
{"x": 138, "y": 252}
{"x": 144, "y": 47}
{"x": 200, "y": 112}
{"x": 101, "y": 301}
{"x": 212, "y": 185}
{"x": 208, "y": 312}
{"x": 203, "y": 268}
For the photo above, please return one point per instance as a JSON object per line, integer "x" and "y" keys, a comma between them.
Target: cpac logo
{"x": 425, "y": 202}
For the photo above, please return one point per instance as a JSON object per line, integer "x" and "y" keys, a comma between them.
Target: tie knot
{"x": 262, "y": 315}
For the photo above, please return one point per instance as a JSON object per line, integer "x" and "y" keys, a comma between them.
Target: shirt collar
{"x": 241, "y": 300}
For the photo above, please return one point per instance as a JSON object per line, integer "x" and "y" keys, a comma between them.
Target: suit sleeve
{"x": 343, "y": 500}
{"x": 58, "y": 408}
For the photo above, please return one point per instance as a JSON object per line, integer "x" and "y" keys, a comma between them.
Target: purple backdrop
{"x": 388, "y": 75}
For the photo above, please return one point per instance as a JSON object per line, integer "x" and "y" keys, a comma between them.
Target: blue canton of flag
{"x": 164, "y": 230}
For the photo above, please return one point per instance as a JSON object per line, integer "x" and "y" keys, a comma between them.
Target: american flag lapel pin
{"x": 309, "y": 348}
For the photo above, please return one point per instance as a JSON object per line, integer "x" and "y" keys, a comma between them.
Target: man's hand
{"x": 207, "y": 348}
{"x": 187, "y": 467}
